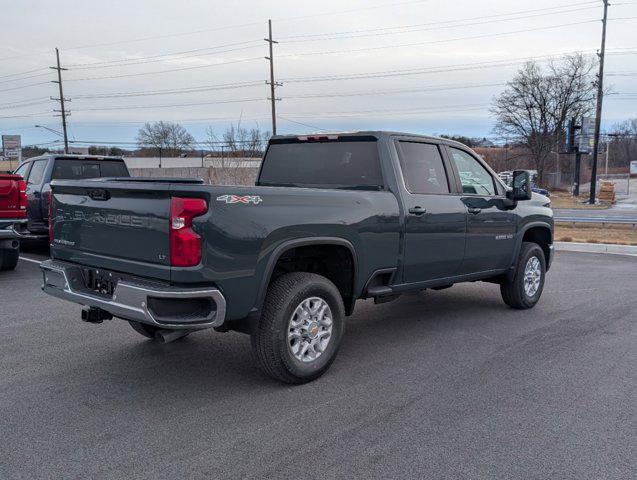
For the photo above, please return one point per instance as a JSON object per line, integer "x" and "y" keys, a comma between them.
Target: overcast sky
{"x": 429, "y": 66}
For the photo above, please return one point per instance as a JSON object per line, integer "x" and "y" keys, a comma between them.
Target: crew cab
{"x": 40, "y": 171}
{"x": 330, "y": 220}
{"x": 13, "y": 218}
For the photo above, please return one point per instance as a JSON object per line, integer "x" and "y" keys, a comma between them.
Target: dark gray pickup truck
{"x": 331, "y": 219}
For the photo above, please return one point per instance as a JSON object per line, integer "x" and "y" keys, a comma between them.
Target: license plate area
{"x": 100, "y": 282}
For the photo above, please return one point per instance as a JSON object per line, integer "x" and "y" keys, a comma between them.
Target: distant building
{"x": 485, "y": 143}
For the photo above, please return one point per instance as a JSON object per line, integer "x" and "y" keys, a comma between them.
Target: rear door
{"x": 490, "y": 226}
{"x": 435, "y": 220}
{"x": 34, "y": 195}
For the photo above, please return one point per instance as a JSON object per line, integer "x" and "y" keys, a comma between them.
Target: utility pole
{"x": 62, "y": 111}
{"x": 272, "y": 83}
{"x": 598, "y": 111}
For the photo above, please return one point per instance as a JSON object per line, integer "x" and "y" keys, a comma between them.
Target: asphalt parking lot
{"x": 446, "y": 384}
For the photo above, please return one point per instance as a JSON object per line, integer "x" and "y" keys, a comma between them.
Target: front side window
{"x": 37, "y": 172}
{"x": 22, "y": 170}
{"x": 475, "y": 179}
{"x": 422, "y": 168}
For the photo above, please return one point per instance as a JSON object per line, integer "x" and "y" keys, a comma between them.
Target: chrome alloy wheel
{"x": 310, "y": 329}
{"x": 532, "y": 276}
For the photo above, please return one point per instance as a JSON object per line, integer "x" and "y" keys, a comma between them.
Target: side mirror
{"x": 521, "y": 183}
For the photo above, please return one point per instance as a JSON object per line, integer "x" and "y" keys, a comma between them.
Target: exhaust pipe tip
{"x": 167, "y": 336}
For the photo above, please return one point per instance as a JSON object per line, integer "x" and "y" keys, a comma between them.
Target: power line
{"x": 216, "y": 29}
{"x": 430, "y": 42}
{"x": 155, "y": 72}
{"x": 171, "y": 91}
{"x": 423, "y": 70}
{"x": 23, "y": 86}
{"x": 403, "y": 29}
{"x": 393, "y": 91}
{"x": 162, "y": 57}
{"x": 302, "y": 124}
{"x": 195, "y": 104}
{"x": 23, "y": 73}
{"x": 25, "y": 78}
{"x": 31, "y": 103}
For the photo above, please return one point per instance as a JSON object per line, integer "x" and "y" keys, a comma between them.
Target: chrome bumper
{"x": 131, "y": 301}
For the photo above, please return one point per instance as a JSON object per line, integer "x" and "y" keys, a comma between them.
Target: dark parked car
{"x": 40, "y": 171}
{"x": 331, "y": 219}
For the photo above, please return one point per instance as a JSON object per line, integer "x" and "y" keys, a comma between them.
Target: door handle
{"x": 474, "y": 210}
{"x": 417, "y": 210}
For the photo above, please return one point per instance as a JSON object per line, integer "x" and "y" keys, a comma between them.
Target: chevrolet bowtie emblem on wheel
{"x": 256, "y": 199}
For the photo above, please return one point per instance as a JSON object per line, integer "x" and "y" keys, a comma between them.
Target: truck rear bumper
{"x": 163, "y": 307}
{"x": 11, "y": 228}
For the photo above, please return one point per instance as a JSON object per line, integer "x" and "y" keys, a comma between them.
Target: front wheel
{"x": 300, "y": 329}
{"x": 525, "y": 289}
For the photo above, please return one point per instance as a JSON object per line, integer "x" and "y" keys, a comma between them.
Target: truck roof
{"x": 373, "y": 133}
{"x": 74, "y": 157}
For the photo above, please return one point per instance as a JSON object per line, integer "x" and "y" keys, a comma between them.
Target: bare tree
{"x": 623, "y": 143}
{"x": 536, "y": 104}
{"x": 238, "y": 142}
{"x": 168, "y": 137}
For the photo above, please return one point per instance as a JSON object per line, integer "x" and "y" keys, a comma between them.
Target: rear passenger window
{"x": 422, "y": 168}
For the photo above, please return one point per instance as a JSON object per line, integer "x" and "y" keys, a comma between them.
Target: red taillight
{"x": 185, "y": 244}
{"x": 22, "y": 187}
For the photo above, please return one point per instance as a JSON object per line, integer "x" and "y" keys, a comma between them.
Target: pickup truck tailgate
{"x": 121, "y": 224}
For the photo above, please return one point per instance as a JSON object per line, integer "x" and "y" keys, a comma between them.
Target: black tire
{"x": 270, "y": 342}
{"x": 513, "y": 292}
{"x": 9, "y": 258}
{"x": 147, "y": 331}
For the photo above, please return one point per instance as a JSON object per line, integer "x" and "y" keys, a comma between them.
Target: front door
{"x": 435, "y": 220}
{"x": 490, "y": 225}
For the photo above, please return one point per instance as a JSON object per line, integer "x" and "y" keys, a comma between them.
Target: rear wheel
{"x": 525, "y": 289}
{"x": 9, "y": 258}
{"x": 147, "y": 331}
{"x": 300, "y": 329}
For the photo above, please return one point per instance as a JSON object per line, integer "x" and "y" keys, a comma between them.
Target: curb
{"x": 596, "y": 248}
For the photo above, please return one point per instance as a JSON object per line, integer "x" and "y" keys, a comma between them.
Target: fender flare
{"x": 518, "y": 242}
{"x": 300, "y": 242}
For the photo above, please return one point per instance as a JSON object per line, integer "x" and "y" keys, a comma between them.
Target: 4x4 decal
{"x": 255, "y": 199}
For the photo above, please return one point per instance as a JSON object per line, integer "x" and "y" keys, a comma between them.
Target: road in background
{"x": 447, "y": 384}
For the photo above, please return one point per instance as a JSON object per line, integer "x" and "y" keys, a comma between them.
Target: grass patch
{"x": 566, "y": 200}
{"x": 593, "y": 233}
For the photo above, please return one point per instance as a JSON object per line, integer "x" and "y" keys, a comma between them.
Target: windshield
{"x": 347, "y": 163}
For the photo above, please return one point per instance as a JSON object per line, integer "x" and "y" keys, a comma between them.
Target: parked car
{"x": 13, "y": 218}
{"x": 40, "y": 171}
{"x": 331, "y": 219}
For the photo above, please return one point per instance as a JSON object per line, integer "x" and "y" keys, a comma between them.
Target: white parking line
{"x": 30, "y": 260}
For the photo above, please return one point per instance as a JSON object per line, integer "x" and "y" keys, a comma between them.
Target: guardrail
{"x": 602, "y": 220}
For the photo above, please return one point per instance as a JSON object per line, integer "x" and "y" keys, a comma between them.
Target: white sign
{"x": 12, "y": 147}
{"x": 633, "y": 167}
{"x": 587, "y": 135}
